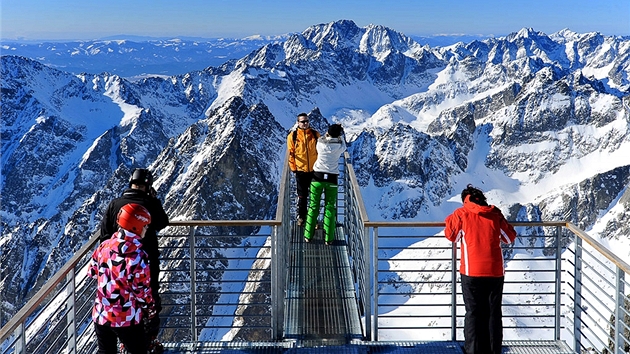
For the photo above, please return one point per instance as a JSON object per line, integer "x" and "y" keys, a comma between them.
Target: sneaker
{"x": 155, "y": 347}
{"x": 300, "y": 221}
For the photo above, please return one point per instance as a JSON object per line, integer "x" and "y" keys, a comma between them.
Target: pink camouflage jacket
{"x": 123, "y": 292}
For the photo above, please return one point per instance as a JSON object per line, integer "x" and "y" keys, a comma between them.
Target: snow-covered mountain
{"x": 133, "y": 57}
{"x": 538, "y": 121}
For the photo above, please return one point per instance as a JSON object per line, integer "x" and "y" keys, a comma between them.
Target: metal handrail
{"x": 77, "y": 330}
{"x": 576, "y": 320}
{"x": 622, "y": 265}
{"x": 576, "y": 304}
{"x": 21, "y": 317}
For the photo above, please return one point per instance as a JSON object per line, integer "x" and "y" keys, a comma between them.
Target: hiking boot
{"x": 155, "y": 347}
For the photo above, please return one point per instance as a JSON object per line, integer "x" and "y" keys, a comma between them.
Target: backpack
{"x": 313, "y": 132}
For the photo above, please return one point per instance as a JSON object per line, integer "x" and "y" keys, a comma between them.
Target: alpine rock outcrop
{"x": 538, "y": 121}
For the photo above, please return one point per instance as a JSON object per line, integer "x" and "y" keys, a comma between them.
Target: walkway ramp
{"x": 510, "y": 347}
{"x": 321, "y": 307}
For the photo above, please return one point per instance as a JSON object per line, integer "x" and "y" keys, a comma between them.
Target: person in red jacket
{"x": 481, "y": 229}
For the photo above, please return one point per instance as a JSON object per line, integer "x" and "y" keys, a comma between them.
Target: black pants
{"x": 483, "y": 327}
{"x": 303, "y": 181}
{"x": 133, "y": 337}
{"x": 153, "y": 327}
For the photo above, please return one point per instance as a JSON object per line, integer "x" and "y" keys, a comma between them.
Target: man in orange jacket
{"x": 481, "y": 229}
{"x": 302, "y": 155}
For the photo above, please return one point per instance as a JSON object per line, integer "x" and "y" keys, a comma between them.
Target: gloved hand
{"x": 150, "y": 313}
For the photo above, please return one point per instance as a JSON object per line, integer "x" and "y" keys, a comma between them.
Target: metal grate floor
{"x": 320, "y": 303}
{"x": 358, "y": 347}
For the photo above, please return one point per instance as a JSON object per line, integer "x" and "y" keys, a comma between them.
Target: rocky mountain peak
{"x": 536, "y": 122}
{"x": 333, "y": 36}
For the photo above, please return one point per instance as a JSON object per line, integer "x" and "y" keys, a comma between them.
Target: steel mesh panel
{"x": 320, "y": 307}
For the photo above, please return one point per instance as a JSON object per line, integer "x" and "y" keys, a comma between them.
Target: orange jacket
{"x": 302, "y": 152}
{"x": 481, "y": 230}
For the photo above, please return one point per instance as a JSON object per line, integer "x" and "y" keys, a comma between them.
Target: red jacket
{"x": 481, "y": 230}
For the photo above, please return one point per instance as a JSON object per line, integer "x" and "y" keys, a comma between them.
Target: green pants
{"x": 330, "y": 209}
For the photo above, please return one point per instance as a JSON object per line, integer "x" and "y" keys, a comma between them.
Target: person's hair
{"x": 335, "y": 130}
{"x": 476, "y": 195}
{"x": 301, "y": 115}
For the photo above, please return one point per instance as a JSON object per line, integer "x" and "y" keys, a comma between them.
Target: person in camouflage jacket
{"x": 123, "y": 296}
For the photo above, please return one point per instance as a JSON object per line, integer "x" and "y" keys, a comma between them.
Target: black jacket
{"x": 159, "y": 219}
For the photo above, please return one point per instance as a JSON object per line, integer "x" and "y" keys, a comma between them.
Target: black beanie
{"x": 335, "y": 130}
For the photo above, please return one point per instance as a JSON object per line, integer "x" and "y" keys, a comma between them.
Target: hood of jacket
{"x": 482, "y": 210}
{"x": 127, "y": 242}
{"x": 330, "y": 144}
{"x": 329, "y": 151}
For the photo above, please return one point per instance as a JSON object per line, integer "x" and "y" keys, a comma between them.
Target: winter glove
{"x": 150, "y": 313}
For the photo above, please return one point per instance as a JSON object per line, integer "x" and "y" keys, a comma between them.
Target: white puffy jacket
{"x": 329, "y": 150}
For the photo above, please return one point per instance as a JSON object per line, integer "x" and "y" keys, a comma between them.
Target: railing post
{"x": 193, "y": 281}
{"x": 274, "y": 282}
{"x": 277, "y": 287}
{"x": 620, "y": 299}
{"x": 20, "y": 344}
{"x": 577, "y": 293}
{"x": 558, "y": 294}
{"x": 71, "y": 314}
{"x": 454, "y": 292}
{"x": 374, "y": 283}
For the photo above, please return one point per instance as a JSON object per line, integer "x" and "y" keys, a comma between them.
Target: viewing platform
{"x": 255, "y": 286}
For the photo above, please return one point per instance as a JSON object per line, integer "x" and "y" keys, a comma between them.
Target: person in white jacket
{"x": 326, "y": 171}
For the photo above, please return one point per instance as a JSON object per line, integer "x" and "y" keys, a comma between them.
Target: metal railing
{"x": 225, "y": 281}
{"x": 560, "y": 284}
{"x": 57, "y": 319}
{"x": 220, "y": 280}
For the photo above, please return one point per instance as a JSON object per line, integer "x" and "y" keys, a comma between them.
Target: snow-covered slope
{"x": 538, "y": 121}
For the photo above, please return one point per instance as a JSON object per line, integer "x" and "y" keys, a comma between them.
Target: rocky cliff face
{"x": 538, "y": 121}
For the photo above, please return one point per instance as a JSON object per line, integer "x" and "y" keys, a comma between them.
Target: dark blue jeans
{"x": 483, "y": 326}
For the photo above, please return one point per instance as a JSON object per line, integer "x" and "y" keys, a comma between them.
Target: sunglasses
{"x": 303, "y": 121}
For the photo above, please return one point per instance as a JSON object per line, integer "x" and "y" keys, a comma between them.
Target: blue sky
{"x": 93, "y": 19}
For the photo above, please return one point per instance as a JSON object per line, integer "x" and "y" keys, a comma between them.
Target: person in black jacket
{"x": 141, "y": 192}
